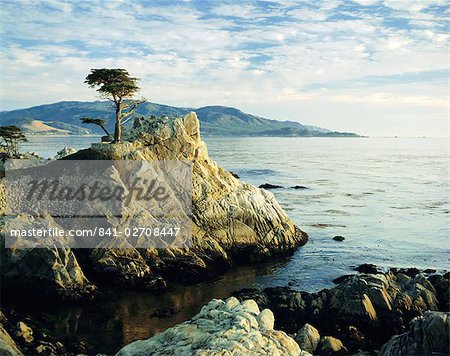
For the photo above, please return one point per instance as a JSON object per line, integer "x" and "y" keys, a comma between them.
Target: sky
{"x": 375, "y": 67}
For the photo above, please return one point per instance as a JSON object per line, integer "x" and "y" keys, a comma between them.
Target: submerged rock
{"x": 221, "y": 327}
{"x": 270, "y": 186}
{"x": 339, "y": 238}
{"x": 427, "y": 335}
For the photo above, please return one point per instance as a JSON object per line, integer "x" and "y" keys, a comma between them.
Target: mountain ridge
{"x": 216, "y": 120}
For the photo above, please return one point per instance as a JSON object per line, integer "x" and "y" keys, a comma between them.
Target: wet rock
{"x": 24, "y": 332}
{"x": 363, "y": 310}
{"x": 46, "y": 271}
{"x": 308, "y": 338}
{"x": 8, "y": 346}
{"x": 299, "y": 187}
{"x": 270, "y": 186}
{"x": 427, "y": 335}
{"x": 234, "y": 175}
{"x": 220, "y": 325}
{"x": 164, "y": 313}
{"x": 339, "y": 238}
{"x": 342, "y": 278}
{"x": 330, "y": 345}
{"x": 367, "y": 268}
{"x": 429, "y": 271}
{"x": 441, "y": 284}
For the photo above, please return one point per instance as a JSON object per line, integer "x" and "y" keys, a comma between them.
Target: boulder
{"x": 367, "y": 268}
{"x": 66, "y": 151}
{"x": 270, "y": 186}
{"x": 24, "y": 332}
{"x": 308, "y": 338}
{"x": 221, "y": 327}
{"x": 8, "y": 346}
{"x": 363, "y": 310}
{"x": 427, "y": 335}
{"x": 330, "y": 345}
{"x": 338, "y": 238}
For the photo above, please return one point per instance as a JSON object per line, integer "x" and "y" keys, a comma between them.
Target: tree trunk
{"x": 104, "y": 129}
{"x": 118, "y": 127}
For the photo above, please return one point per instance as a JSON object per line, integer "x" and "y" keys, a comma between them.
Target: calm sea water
{"x": 388, "y": 197}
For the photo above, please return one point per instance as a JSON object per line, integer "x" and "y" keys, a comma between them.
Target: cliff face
{"x": 232, "y": 222}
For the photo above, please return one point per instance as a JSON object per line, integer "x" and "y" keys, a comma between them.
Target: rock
{"x": 164, "y": 313}
{"x": 66, "y": 151}
{"x": 441, "y": 285}
{"x": 330, "y": 345}
{"x": 429, "y": 271}
{"x": 308, "y": 338}
{"x": 339, "y": 238}
{"x": 342, "y": 278}
{"x": 427, "y": 335}
{"x": 8, "y": 346}
{"x": 266, "y": 319}
{"x": 219, "y": 330}
{"x": 270, "y": 186}
{"x": 234, "y": 175}
{"x": 367, "y": 268}
{"x": 299, "y": 187}
{"x": 107, "y": 138}
{"x": 232, "y": 222}
{"x": 363, "y": 310}
{"x": 53, "y": 272}
{"x": 24, "y": 332}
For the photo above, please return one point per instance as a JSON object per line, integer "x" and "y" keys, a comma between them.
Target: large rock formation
{"x": 363, "y": 310}
{"x": 232, "y": 222}
{"x": 221, "y": 328}
{"x": 427, "y": 335}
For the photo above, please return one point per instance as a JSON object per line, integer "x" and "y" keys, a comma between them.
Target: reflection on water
{"x": 387, "y": 197}
{"x": 123, "y": 317}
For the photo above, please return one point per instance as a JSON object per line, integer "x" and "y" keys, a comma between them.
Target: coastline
{"x": 357, "y": 331}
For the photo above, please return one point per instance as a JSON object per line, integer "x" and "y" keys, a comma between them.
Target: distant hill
{"x": 64, "y": 118}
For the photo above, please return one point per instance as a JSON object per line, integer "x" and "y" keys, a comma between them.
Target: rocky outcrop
{"x": 18, "y": 337}
{"x": 308, "y": 338}
{"x": 232, "y": 222}
{"x": 221, "y": 328}
{"x": 427, "y": 335}
{"x": 66, "y": 151}
{"x": 330, "y": 345}
{"x": 363, "y": 310}
{"x": 8, "y": 346}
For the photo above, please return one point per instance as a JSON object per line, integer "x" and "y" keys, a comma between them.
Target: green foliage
{"x": 11, "y": 138}
{"x": 113, "y": 82}
{"x": 118, "y": 86}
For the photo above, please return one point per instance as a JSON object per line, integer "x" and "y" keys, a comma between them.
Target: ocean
{"x": 389, "y": 198}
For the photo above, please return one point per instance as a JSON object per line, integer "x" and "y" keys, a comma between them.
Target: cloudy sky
{"x": 376, "y": 67}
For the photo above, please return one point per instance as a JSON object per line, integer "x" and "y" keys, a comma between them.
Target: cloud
{"x": 289, "y": 54}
